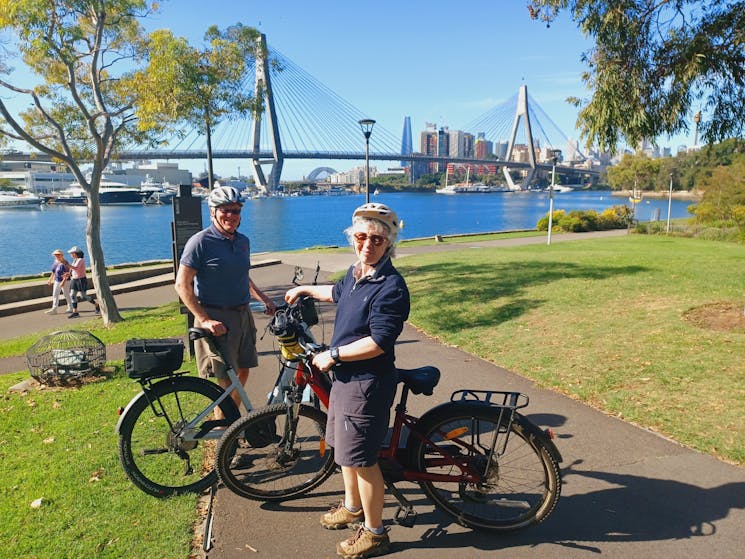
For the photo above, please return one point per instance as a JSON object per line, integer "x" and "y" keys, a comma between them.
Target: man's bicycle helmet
{"x": 222, "y": 195}
{"x": 380, "y": 212}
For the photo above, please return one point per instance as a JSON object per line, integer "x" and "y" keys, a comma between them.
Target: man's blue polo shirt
{"x": 375, "y": 306}
{"x": 222, "y": 266}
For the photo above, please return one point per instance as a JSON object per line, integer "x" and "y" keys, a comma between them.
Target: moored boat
{"x": 15, "y": 200}
{"x": 110, "y": 193}
{"x": 154, "y": 192}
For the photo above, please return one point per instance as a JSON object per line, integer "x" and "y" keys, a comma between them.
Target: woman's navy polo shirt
{"x": 375, "y": 306}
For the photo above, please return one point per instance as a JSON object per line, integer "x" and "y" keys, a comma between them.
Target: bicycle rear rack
{"x": 503, "y": 399}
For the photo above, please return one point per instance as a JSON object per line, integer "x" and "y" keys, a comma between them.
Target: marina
{"x": 135, "y": 233}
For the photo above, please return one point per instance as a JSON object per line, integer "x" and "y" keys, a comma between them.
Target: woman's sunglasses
{"x": 376, "y": 240}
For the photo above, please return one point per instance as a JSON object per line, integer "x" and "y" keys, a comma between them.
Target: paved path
{"x": 627, "y": 492}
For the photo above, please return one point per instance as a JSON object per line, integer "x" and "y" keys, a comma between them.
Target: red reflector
{"x": 549, "y": 432}
{"x": 119, "y": 410}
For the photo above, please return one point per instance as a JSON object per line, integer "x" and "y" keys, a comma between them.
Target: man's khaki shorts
{"x": 239, "y": 343}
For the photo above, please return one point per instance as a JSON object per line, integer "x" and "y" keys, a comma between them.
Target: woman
{"x": 58, "y": 280}
{"x": 79, "y": 282}
{"x": 372, "y": 306}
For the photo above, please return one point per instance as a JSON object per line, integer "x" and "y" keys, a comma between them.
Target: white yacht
{"x": 9, "y": 199}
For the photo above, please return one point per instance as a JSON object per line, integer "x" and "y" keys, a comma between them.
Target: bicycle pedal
{"x": 405, "y": 516}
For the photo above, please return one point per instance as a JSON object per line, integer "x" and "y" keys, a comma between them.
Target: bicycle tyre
{"x": 274, "y": 472}
{"x": 152, "y": 455}
{"x": 524, "y": 483}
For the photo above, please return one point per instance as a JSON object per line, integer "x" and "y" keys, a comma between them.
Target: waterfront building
{"x": 39, "y": 177}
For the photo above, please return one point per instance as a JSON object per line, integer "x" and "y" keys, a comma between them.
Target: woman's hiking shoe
{"x": 363, "y": 544}
{"x": 340, "y": 517}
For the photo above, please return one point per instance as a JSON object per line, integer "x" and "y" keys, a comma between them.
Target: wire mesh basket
{"x": 64, "y": 358}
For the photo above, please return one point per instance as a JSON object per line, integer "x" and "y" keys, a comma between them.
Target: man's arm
{"x": 259, "y": 295}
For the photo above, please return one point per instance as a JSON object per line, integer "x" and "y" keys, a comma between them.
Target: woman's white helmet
{"x": 222, "y": 195}
{"x": 380, "y": 212}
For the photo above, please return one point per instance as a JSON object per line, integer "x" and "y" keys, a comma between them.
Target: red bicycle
{"x": 476, "y": 457}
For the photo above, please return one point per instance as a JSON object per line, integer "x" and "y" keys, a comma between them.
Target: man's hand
{"x": 215, "y": 327}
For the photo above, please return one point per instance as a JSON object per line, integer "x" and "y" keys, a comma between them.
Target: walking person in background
{"x": 213, "y": 282}
{"x": 372, "y": 304}
{"x": 59, "y": 280}
{"x": 79, "y": 282}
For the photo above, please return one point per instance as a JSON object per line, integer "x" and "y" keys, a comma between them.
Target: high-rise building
{"x": 483, "y": 148}
{"x": 406, "y": 146}
{"x": 461, "y": 144}
{"x": 500, "y": 149}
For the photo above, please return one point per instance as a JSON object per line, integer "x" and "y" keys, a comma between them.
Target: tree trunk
{"x": 109, "y": 310}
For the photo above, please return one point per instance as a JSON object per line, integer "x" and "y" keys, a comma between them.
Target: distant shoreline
{"x": 677, "y": 194}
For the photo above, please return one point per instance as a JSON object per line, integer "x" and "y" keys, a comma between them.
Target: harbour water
{"x": 139, "y": 233}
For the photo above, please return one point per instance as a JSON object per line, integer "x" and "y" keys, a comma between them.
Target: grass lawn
{"x": 605, "y": 321}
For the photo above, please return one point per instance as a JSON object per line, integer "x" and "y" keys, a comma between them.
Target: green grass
{"x": 602, "y": 321}
{"x": 59, "y": 445}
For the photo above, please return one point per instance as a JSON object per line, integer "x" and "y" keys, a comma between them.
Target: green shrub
{"x": 576, "y": 221}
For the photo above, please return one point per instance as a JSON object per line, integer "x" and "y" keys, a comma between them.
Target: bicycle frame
{"x": 190, "y": 432}
{"x": 308, "y": 374}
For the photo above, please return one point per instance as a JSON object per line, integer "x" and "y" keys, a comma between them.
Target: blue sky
{"x": 436, "y": 61}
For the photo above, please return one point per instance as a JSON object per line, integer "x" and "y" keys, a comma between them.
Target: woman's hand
{"x": 292, "y": 294}
{"x": 323, "y": 360}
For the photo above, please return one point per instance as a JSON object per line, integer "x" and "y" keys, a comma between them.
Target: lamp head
{"x": 366, "y": 125}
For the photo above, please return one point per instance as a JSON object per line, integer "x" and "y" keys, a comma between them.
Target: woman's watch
{"x": 334, "y": 352}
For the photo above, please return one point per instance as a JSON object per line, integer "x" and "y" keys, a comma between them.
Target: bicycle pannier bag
{"x": 153, "y": 357}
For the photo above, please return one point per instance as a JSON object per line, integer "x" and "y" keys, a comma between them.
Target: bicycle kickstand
{"x": 405, "y": 514}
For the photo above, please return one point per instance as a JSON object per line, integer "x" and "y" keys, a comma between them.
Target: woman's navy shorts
{"x": 358, "y": 415}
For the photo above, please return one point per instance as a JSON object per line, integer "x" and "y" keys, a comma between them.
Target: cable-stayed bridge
{"x": 304, "y": 119}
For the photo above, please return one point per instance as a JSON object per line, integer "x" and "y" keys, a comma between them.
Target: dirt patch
{"x": 727, "y": 316}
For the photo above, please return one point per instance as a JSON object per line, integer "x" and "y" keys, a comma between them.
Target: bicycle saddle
{"x": 421, "y": 380}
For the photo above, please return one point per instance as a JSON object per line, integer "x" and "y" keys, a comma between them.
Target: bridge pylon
{"x": 521, "y": 112}
{"x": 263, "y": 90}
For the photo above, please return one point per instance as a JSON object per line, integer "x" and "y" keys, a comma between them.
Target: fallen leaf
{"x": 49, "y": 440}
{"x": 36, "y": 503}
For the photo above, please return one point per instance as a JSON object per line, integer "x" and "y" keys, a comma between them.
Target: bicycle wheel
{"x": 153, "y": 453}
{"x": 280, "y": 466}
{"x": 522, "y": 486}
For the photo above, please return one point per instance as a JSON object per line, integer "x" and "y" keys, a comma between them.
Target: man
{"x": 213, "y": 282}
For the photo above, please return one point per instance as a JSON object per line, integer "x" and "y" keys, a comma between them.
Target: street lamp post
{"x": 554, "y": 158}
{"x": 366, "y": 125}
{"x": 669, "y": 203}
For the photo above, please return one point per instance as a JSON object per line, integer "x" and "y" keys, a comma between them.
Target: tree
{"x": 655, "y": 62}
{"x": 723, "y": 202}
{"x": 636, "y": 172}
{"x": 186, "y": 85}
{"x": 82, "y": 109}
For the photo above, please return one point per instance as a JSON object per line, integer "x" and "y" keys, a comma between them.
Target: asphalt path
{"x": 627, "y": 492}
